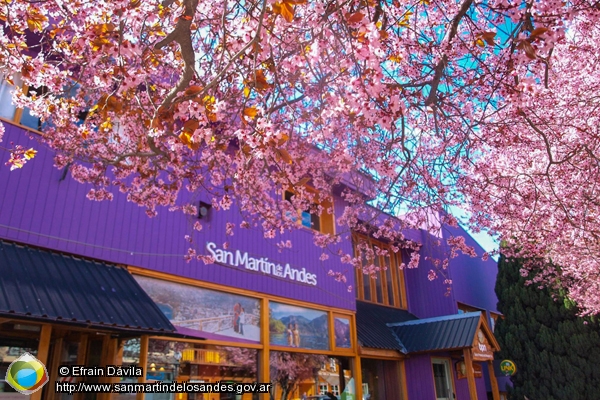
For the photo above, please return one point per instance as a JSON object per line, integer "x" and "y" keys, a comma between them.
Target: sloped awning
{"x": 372, "y": 329}
{"x": 449, "y": 332}
{"x": 47, "y": 286}
{"x": 467, "y": 333}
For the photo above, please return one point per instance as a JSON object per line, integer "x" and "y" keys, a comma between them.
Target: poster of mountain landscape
{"x": 199, "y": 309}
{"x": 300, "y": 327}
{"x": 341, "y": 329}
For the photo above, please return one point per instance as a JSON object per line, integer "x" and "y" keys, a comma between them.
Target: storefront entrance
{"x": 381, "y": 379}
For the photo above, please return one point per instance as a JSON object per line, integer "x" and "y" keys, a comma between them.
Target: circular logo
{"x": 27, "y": 374}
{"x": 508, "y": 368}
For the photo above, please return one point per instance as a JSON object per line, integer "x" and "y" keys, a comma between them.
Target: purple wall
{"x": 473, "y": 279}
{"x": 37, "y": 208}
{"x": 427, "y": 298}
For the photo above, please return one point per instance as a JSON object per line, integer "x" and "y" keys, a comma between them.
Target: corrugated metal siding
{"x": 39, "y": 209}
{"x": 442, "y": 333}
{"x": 371, "y": 320}
{"x": 419, "y": 378}
{"x": 40, "y": 284}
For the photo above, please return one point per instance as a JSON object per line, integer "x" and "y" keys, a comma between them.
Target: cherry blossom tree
{"x": 288, "y": 370}
{"x": 416, "y": 106}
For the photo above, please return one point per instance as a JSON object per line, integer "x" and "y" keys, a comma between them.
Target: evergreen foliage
{"x": 556, "y": 352}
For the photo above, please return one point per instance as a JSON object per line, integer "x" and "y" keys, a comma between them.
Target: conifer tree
{"x": 556, "y": 351}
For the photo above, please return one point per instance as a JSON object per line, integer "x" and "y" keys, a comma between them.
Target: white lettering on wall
{"x": 242, "y": 259}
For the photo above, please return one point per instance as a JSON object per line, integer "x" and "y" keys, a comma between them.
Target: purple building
{"x": 101, "y": 283}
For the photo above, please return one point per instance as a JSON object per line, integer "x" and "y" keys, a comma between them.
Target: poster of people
{"x": 298, "y": 327}
{"x": 341, "y": 329}
{"x": 204, "y": 309}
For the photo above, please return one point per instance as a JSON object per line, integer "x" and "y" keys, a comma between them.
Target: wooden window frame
{"x": 326, "y": 220}
{"x": 17, "y": 116}
{"x": 447, "y": 361}
{"x": 398, "y": 284}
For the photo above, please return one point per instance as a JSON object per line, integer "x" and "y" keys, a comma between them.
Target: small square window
{"x": 318, "y": 216}
{"x": 335, "y": 389}
{"x": 323, "y": 388}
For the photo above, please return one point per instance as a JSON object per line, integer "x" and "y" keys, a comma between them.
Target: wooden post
{"x": 264, "y": 365}
{"x": 81, "y": 359}
{"x": 357, "y": 373}
{"x": 42, "y": 355}
{"x": 493, "y": 381}
{"x": 402, "y": 380}
{"x": 105, "y": 359}
{"x": 143, "y": 363}
{"x": 470, "y": 374}
{"x": 114, "y": 357}
{"x": 53, "y": 366}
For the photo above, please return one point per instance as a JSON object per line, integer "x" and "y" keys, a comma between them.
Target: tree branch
{"x": 182, "y": 35}
{"x": 441, "y": 65}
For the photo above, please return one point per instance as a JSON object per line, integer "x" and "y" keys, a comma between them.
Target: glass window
{"x": 442, "y": 379}
{"x": 389, "y": 281}
{"x": 493, "y": 320}
{"x": 7, "y": 108}
{"x": 335, "y": 389}
{"x": 365, "y": 279}
{"x": 377, "y": 277}
{"x": 463, "y": 308}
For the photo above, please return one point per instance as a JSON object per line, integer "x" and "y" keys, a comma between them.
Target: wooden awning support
{"x": 482, "y": 350}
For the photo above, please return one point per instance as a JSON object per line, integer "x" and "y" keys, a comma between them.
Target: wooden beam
{"x": 493, "y": 381}
{"x": 143, "y": 363}
{"x": 379, "y": 353}
{"x": 470, "y": 374}
{"x": 264, "y": 365}
{"x": 42, "y": 355}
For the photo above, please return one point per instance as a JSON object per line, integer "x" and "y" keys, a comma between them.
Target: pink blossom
{"x": 431, "y": 275}
{"x": 381, "y": 118}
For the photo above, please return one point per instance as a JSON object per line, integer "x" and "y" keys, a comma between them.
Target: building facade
{"x": 262, "y": 305}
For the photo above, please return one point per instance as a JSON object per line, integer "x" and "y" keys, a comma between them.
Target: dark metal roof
{"x": 372, "y": 329}
{"x": 440, "y": 333}
{"x": 44, "y": 285}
